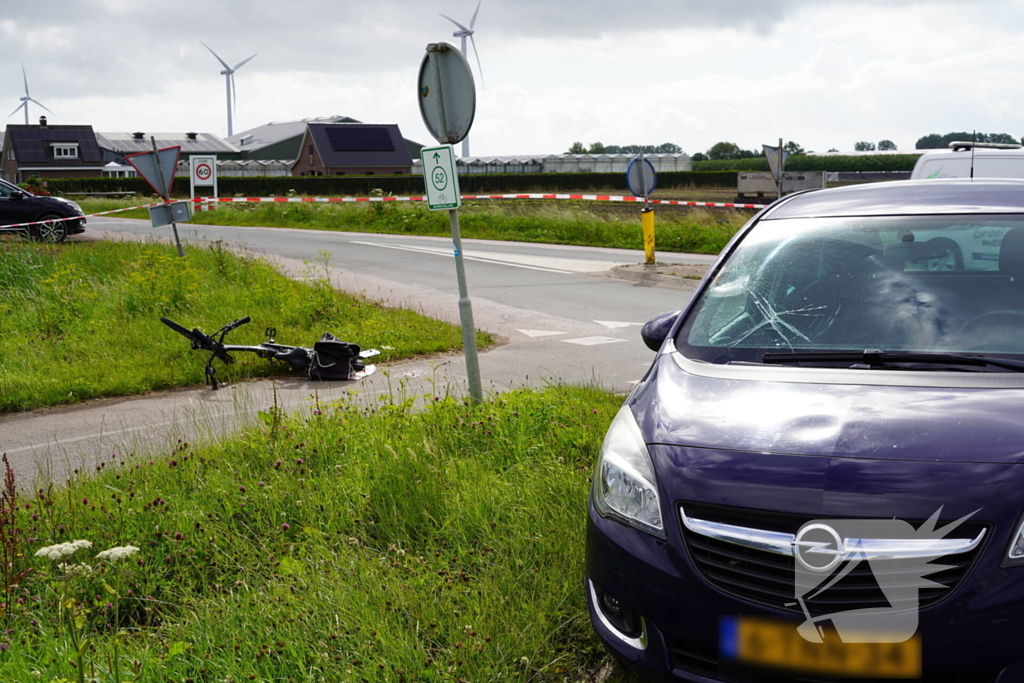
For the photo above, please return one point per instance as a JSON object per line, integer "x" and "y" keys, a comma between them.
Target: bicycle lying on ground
{"x": 329, "y": 359}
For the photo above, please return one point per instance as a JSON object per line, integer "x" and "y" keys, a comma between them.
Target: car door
{"x": 15, "y": 210}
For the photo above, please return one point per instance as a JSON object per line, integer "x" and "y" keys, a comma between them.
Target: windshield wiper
{"x": 874, "y": 358}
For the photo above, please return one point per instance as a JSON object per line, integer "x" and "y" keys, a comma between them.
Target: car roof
{"x": 906, "y": 197}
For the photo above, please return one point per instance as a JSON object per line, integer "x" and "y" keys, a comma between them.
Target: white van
{"x": 991, "y": 160}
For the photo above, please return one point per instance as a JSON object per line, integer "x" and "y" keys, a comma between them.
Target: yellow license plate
{"x": 767, "y": 644}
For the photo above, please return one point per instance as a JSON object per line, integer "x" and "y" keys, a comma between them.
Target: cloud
{"x": 825, "y": 73}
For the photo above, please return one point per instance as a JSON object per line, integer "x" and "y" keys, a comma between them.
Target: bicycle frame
{"x": 297, "y": 357}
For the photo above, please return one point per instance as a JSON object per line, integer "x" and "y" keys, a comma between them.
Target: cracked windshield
{"x": 906, "y": 284}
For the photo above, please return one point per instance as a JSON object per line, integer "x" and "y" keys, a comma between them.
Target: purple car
{"x": 821, "y": 476}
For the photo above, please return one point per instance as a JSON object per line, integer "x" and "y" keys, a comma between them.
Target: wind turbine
{"x": 229, "y": 79}
{"x": 464, "y": 33}
{"x": 26, "y": 99}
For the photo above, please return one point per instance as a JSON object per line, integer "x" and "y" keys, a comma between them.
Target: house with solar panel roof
{"x": 50, "y": 151}
{"x": 351, "y": 148}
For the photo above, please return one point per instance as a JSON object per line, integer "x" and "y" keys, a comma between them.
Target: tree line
{"x": 598, "y": 148}
{"x": 730, "y": 150}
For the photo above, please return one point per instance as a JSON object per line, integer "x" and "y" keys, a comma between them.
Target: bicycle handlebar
{"x": 235, "y": 323}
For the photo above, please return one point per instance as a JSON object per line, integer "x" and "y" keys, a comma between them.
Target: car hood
{"x": 66, "y": 204}
{"x": 674, "y": 407}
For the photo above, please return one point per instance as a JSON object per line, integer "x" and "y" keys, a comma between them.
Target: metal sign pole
{"x": 466, "y": 315}
{"x": 160, "y": 179}
{"x": 449, "y": 127}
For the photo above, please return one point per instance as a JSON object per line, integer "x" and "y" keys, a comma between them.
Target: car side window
{"x": 5, "y": 191}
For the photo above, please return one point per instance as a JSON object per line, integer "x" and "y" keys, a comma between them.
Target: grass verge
{"x": 81, "y": 320}
{"x": 349, "y": 544}
{"x": 701, "y": 231}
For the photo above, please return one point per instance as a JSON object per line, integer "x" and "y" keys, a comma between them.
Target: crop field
{"x": 82, "y": 320}
{"x": 580, "y": 223}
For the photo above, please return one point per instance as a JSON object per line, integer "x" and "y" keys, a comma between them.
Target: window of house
{"x": 65, "y": 150}
{"x": 10, "y": 154}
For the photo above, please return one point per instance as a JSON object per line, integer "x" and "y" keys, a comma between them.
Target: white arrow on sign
{"x": 440, "y": 178}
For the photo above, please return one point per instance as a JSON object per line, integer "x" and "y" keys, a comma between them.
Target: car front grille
{"x": 768, "y": 579}
{"x": 704, "y": 660}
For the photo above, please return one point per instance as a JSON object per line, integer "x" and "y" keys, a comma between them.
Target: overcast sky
{"x": 694, "y": 72}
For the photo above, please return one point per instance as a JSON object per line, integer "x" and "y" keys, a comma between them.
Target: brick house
{"x": 45, "y": 151}
{"x": 352, "y": 149}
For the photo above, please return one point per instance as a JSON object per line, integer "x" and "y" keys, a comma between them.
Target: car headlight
{"x": 1015, "y": 555}
{"x": 624, "y": 483}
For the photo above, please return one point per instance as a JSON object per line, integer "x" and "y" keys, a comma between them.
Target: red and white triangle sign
{"x": 157, "y": 168}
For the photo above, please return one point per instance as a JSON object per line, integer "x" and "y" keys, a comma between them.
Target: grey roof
{"x": 359, "y": 144}
{"x": 30, "y": 144}
{"x": 278, "y": 131}
{"x": 125, "y": 143}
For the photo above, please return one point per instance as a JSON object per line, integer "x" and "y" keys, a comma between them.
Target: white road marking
{"x": 592, "y": 341}
{"x": 551, "y": 264}
{"x": 611, "y": 324}
{"x": 539, "y": 333}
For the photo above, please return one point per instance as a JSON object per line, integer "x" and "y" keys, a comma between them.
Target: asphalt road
{"x": 558, "y": 313}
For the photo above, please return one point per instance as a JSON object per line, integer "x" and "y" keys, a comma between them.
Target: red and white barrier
{"x": 206, "y": 203}
{"x": 470, "y": 197}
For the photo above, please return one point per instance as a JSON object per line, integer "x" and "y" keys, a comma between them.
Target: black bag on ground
{"x": 334, "y": 359}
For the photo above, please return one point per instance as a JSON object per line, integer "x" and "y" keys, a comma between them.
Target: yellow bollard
{"x": 647, "y": 220}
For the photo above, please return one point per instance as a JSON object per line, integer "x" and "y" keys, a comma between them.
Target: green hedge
{"x": 325, "y": 186}
{"x": 803, "y": 162}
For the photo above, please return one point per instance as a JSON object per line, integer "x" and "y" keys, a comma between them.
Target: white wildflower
{"x": 55, "y": 552}
{"x": 79, "y": 569}
{"x": 117, "y": 553}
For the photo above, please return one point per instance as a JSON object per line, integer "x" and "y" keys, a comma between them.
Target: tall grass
{"x": 704, "y": 231}
{"x": 350, "y": 544}
{"x": 82, "y": 320}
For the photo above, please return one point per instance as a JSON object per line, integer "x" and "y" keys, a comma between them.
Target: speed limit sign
{"x": 203, "y": 170}
{"x": 203, "y": 173}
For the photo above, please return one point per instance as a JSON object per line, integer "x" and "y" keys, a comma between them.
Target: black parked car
{"x": 20, "y": 206}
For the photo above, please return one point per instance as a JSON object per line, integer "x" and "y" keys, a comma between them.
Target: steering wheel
{"x": 805, "y": 312}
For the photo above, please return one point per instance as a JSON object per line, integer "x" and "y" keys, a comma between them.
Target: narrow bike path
{"x": 50, "y": 444}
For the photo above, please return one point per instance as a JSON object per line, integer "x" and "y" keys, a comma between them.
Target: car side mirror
{"x": 17, "y": 194}
{"x": 657, "y": 328}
